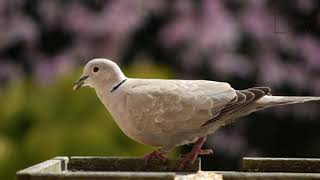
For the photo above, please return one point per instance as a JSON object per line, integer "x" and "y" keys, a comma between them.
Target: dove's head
{"x": 100, "y": 72}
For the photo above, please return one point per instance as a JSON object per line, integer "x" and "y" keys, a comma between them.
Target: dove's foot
{"x": 196, "y": 150}
{"x": 157, "y": 154}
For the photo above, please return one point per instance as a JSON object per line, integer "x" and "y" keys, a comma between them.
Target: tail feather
{"x": 263, "y": 103}
{"x": 269, "y": 101}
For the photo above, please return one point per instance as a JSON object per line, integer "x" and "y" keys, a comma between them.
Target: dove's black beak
{"x": 78, "y": 84}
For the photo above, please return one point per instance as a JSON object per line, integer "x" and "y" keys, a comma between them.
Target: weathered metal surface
{"x": 201, "y": 175}
{"x": 129, "y": 164}
{"x": 101, "y": 168}
{"x": 297, "y": 165}
{"x": 105, "y": 176}
{"x": 86, "y": 168}
{"x": 233, "y": 175}
{"x": 55, "y": 165}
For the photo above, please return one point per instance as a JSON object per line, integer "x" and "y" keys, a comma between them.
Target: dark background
{"x": 44, "y": 45}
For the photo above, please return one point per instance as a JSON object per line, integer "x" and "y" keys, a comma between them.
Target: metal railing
{"x": 116, "y": 168}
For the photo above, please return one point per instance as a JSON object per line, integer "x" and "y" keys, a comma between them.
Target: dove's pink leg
{"x": 196, "y": 150}
{"x": 157, "y": 154}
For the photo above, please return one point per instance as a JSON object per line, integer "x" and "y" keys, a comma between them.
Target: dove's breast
{"x": 130, "y": 120}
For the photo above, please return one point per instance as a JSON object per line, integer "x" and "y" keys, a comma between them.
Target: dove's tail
{"x": 270, "y": 101}
{"x": 263, "y": 103}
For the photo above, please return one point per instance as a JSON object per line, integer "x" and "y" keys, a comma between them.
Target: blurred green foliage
{"x": 38, "y": 122}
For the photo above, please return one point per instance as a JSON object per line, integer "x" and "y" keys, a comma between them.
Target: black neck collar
{"x": 118, "y": 85}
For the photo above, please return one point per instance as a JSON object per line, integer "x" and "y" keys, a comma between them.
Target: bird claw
{"x": 154, "y": 155}
{"x": 190, "y": 158}
{"x": 205, "y": 151}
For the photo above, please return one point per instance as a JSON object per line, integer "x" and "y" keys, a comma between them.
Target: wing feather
{"x": 178, "y": 104}
{"x": 251, "y": 96}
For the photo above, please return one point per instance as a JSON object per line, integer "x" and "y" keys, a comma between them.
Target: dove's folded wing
{"x": 165, "y": 105}
{"x": 243, "y": 99}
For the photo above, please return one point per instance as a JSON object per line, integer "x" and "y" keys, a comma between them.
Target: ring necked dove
{"x": 168, "y": 113}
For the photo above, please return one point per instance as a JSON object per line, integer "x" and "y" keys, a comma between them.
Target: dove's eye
{"x": 95, "y": 69}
